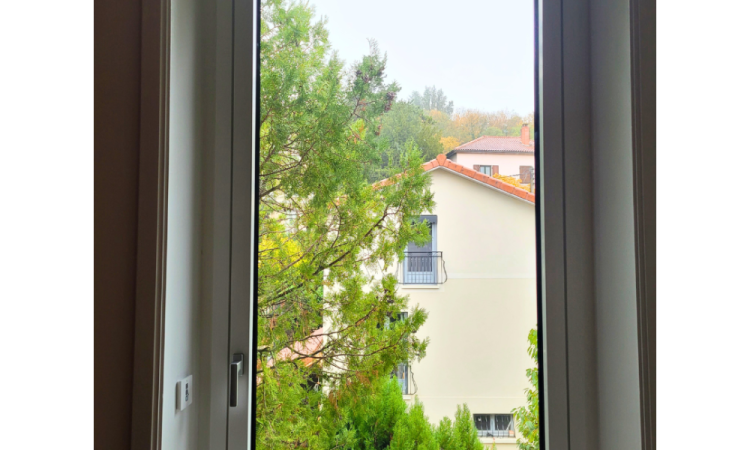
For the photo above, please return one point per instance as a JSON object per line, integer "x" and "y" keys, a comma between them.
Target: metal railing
{"x": 496, "y": 433}
{"x": 423, "y": 268}
{"x": 403, "y": 374}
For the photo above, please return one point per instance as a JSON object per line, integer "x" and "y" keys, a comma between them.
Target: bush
{"x": 378, "y": 418}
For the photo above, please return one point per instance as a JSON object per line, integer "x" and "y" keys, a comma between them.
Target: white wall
{"x": 182, "y": 330}
{"x": 480, "y": 318}
{"x": 508, "y": 164}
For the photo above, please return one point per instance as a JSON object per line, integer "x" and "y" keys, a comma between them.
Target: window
{"x": 402, "y": 375}
{"x": 328, "y": 158}
{"x": 527, "y": 174}
{"x": 494, "y": 425}
{"x": 399, "y": 317}
{"x": 423, "y": 264}
{"x": 401, "y": 372}
{"x": 487, "y": 170}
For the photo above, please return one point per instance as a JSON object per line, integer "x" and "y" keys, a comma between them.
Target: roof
{"x": 443, "y": 163}
{"x": 494, "y": 144}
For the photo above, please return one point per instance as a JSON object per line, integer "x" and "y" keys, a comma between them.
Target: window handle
{"x": 236, "y": 370}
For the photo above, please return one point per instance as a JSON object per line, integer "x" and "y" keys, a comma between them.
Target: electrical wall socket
{"x": 184, "y": 392}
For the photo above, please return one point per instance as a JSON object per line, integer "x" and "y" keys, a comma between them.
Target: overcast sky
{"x": 480, "y": 52}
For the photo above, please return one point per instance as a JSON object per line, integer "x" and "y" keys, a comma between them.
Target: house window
{"x": 402, "y": 375}
{"x": 401, "y": 372}
{"x": 423, "y": 263}
{"x": 494, "y": 425}
{"x": 487, "y": 170}
{"x": 527, "y": 174}
{"x": 399, "y": 317}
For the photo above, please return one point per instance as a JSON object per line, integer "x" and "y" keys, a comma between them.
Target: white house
{"x": 477, "y": 281}
{"x": 504, "y": 155}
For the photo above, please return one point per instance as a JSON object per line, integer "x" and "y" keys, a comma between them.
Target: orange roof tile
{"x": 445, "y": 163}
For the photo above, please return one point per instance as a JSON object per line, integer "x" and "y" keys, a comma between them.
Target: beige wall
{"x": 508, "y": 164}
{"x": 480, "y": 318}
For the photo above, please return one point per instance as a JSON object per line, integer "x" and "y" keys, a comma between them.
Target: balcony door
{"x": 421, "y": 260}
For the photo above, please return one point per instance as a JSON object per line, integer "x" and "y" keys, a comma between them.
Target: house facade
{"x": 477, "y": 280}
{"x": 503, "y": 155}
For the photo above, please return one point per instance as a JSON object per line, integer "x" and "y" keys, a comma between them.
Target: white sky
{"x": 480, "y": 52}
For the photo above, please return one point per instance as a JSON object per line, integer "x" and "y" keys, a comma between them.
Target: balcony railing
{"x": 423, "y": 268}
{"x": 497, "y": 433}
{"x": 403, "y": 374}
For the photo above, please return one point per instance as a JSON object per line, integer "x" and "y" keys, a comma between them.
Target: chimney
{"x": 525, "y": 134}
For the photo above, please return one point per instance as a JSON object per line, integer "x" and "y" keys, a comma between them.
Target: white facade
{"x": 479, "y": 319}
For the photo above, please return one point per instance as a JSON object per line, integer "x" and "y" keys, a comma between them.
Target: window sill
{"x": 420, "y": 286}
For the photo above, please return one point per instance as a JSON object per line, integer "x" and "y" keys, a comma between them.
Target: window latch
{"x": 236, "y": 370}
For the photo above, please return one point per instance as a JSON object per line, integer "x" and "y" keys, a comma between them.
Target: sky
{"x": 479, "y": 52}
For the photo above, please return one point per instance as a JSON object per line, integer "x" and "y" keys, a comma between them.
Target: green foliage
{"x": 413, "y": 431}
{"x": 321, "y": 222}
{"x": 464, "y": 432}
{"x": 375, "y": 417}
{"x": 527, "y": 417}
{"x": 406, "y": 124}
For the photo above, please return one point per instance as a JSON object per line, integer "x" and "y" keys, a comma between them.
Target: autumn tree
{"x": 449, "y": 143}
{"x": 468, "y": 124}
{"x": 321, "y": 223}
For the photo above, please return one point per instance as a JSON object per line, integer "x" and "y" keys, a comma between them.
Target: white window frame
{"x": 564, "y": 247}
{"x": 569, "y": 373}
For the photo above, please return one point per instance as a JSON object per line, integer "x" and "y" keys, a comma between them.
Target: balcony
{"x": 422, "y": 268}
{"x": 405, "y": 379}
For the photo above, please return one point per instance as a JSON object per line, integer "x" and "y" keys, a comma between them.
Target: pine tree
{"x": 321, "y": 222}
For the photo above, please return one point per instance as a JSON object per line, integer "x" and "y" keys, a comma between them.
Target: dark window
{"x": 482, "y": 422}
{"x": 494, "y": 425}
{"x": 401, "y": 372}
{"x": 422, "y": 261}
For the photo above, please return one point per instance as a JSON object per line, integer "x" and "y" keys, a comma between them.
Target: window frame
{"x": 492, "y": 419}
{"x": 564, "y": 214}
{"x": 564, "y": 210}
{"x": 436, "y": 256}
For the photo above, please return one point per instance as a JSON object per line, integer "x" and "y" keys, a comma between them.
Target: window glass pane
{"x": 376, "y": 121}
{"x": 482, "y": 422}
{"x": 503, "y": 422}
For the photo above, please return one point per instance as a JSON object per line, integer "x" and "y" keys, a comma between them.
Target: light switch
{"x": 184, "y": 392}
